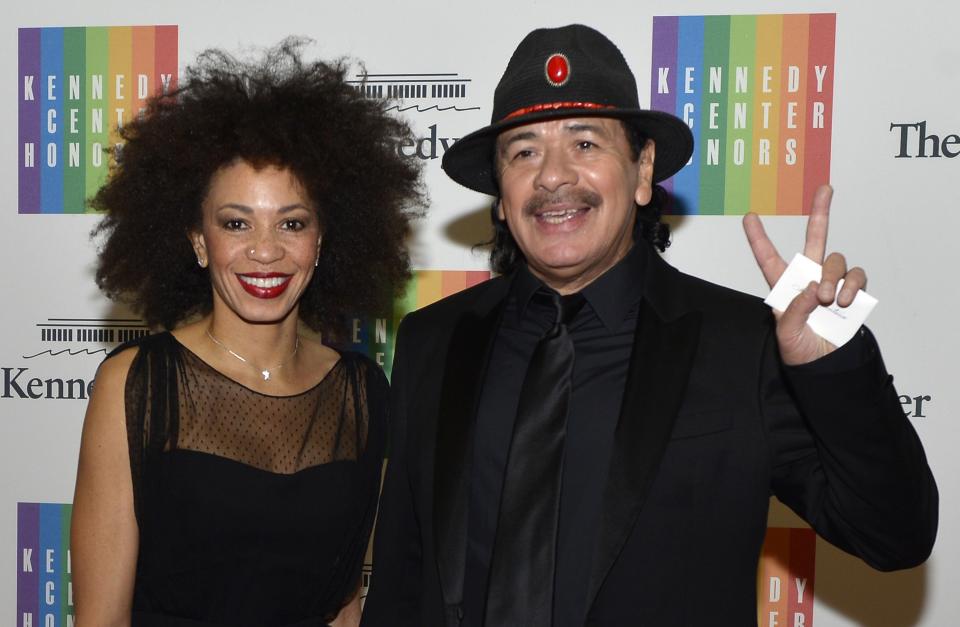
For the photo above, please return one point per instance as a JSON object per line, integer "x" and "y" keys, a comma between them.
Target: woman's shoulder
{"x": 366, "y": 368}
{"x": 112, "y": 373}
{"x": 132, "y": 357}
{"x": 121, "y": 368}
{"x": 369, "y": 384}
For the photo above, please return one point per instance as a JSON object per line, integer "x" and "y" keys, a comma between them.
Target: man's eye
{"x": 586, "y": 145}
{"x": 523, "y": 154}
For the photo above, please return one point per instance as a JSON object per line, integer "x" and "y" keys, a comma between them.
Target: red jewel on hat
{"x": 557, "y": 69}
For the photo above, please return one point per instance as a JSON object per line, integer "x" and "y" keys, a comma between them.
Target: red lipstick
{"x": 264, "y": 284}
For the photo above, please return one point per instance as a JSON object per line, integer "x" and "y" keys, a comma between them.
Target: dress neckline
{"x": 310, "y": 389}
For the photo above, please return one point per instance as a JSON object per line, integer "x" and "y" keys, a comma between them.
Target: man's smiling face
{"x": 569, "y": 189}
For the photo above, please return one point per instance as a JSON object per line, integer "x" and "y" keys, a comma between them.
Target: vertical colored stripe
{"x": 144, "y": 82}
{"x": 452, "y": 282}
{"x": 766, "y": 107}
{"x": 774, "y": 577}
{"x": 356, "y": 336}
{"x": 803, "y": 552}
{"x": 792, "y": 116}
{"x": 96, "y": 114}
{"x": 407, "y": 301}
{"x": 740, "y": 87}
{"x": 48, "y": 560}
{"x": 64, "y": 566}
{"x": 476, "y": 277}
{"x": 28, "y": 549}
{"x": 165, "y": 56}
{"x": 73, "y": 121}
{"x": 819, "y": 122}
{"x": 29, "y": 147}
{"x": 384, "y": 340}
{"x": 686, "y": 183}
{"x": 713, "y": 113}
{"x": 49, "y": 155}
{"x": 121, "y": 84}
{"x": 429, "y": 287}
{"x": 662, "y": 77}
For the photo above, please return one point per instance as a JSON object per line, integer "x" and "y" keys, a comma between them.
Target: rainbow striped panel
{"x": 44, "y": 588}
{"x": 76, "y": 86}
{"x": 375, "y": 336}
{"x": 757, "y": 92}
{"x": 785, "y": 577}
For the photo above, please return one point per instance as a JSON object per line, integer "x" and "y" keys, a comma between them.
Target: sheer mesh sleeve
{"x": 372, "y": 397}
{"x": 151, "y": 408}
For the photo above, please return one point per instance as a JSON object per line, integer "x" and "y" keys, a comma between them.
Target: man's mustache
{"x": 572, "y": 197}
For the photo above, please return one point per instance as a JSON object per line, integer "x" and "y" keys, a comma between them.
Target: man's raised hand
{"x": 798, "y": 343}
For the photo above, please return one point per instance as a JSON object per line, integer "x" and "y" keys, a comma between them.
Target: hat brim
{"x": 470, "y": 160}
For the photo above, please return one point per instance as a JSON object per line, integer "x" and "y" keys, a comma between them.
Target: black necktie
{"x": 520, "y": 591}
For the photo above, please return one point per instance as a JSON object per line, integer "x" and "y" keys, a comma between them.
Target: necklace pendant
{"x": 265, "y": 373}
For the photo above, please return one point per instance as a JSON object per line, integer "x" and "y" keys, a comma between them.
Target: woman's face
{"x": 260, "y": 237}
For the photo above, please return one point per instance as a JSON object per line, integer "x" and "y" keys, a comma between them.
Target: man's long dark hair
{"x": 506, "y": 256}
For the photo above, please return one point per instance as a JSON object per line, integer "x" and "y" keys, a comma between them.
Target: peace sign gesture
{"x": 798, "y": 343}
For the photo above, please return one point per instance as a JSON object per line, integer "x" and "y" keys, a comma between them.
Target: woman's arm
{"x": 103, "y": 532}
{"x": 349, "y": 615}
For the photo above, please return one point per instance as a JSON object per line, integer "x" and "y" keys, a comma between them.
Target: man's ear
{"x": 644, "y": 191}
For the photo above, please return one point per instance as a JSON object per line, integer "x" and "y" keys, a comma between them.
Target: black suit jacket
{"x": 710, "y": 426}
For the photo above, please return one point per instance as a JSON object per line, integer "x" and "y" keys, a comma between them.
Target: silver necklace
{"x": 264, "y": 372}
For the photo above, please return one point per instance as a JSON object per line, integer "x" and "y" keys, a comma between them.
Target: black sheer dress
{"x": 253, "y": 510}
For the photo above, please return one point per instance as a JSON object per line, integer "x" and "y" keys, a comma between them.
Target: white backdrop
{"x": 897, "y": 217}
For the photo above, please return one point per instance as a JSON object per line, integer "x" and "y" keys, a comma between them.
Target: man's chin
{"x": 559, "y": 270}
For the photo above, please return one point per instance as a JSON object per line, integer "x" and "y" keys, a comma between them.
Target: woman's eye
{"x": 233, "y": 225}
{"x": 293, "y": 225}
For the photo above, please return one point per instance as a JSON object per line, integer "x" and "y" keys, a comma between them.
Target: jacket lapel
{"x": 660, "y": 363}
{"x": 464, "y": 369}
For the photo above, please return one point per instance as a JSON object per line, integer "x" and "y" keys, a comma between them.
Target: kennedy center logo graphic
{"x": 44, "y": 587}
{"x": 757, "y": 92}
{"x": 76, "y": 86}
{"x": 435, "y": 96}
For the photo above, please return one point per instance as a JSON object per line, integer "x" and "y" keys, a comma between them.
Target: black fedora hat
{"x": 565, "y": 72}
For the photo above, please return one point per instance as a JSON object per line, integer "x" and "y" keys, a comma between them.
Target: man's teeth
{"x": 264, "y": 283}
{"x": 558, "y": 217}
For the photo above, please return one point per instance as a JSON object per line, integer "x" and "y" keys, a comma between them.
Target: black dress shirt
{"x": 602, "y": 333}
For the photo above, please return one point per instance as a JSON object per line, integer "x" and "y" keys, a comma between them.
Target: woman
{"x": 229, "y": 465}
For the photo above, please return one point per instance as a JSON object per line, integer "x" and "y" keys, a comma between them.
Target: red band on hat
{"x": 554, "y": 106}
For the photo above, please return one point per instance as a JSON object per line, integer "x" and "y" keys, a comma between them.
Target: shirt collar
{"x": 611, "y": 295}
{"x": 525, "y": 285}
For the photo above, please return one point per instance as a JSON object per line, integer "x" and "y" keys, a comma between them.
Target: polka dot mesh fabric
{"x": 175, "y": 400}
{"x": 282, "y": 434}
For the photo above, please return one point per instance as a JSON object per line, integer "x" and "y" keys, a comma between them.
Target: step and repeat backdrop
{"x": 781, "y": 96}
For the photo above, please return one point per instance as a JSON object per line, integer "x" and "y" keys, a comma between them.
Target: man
{"x": 582, "y": 439}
